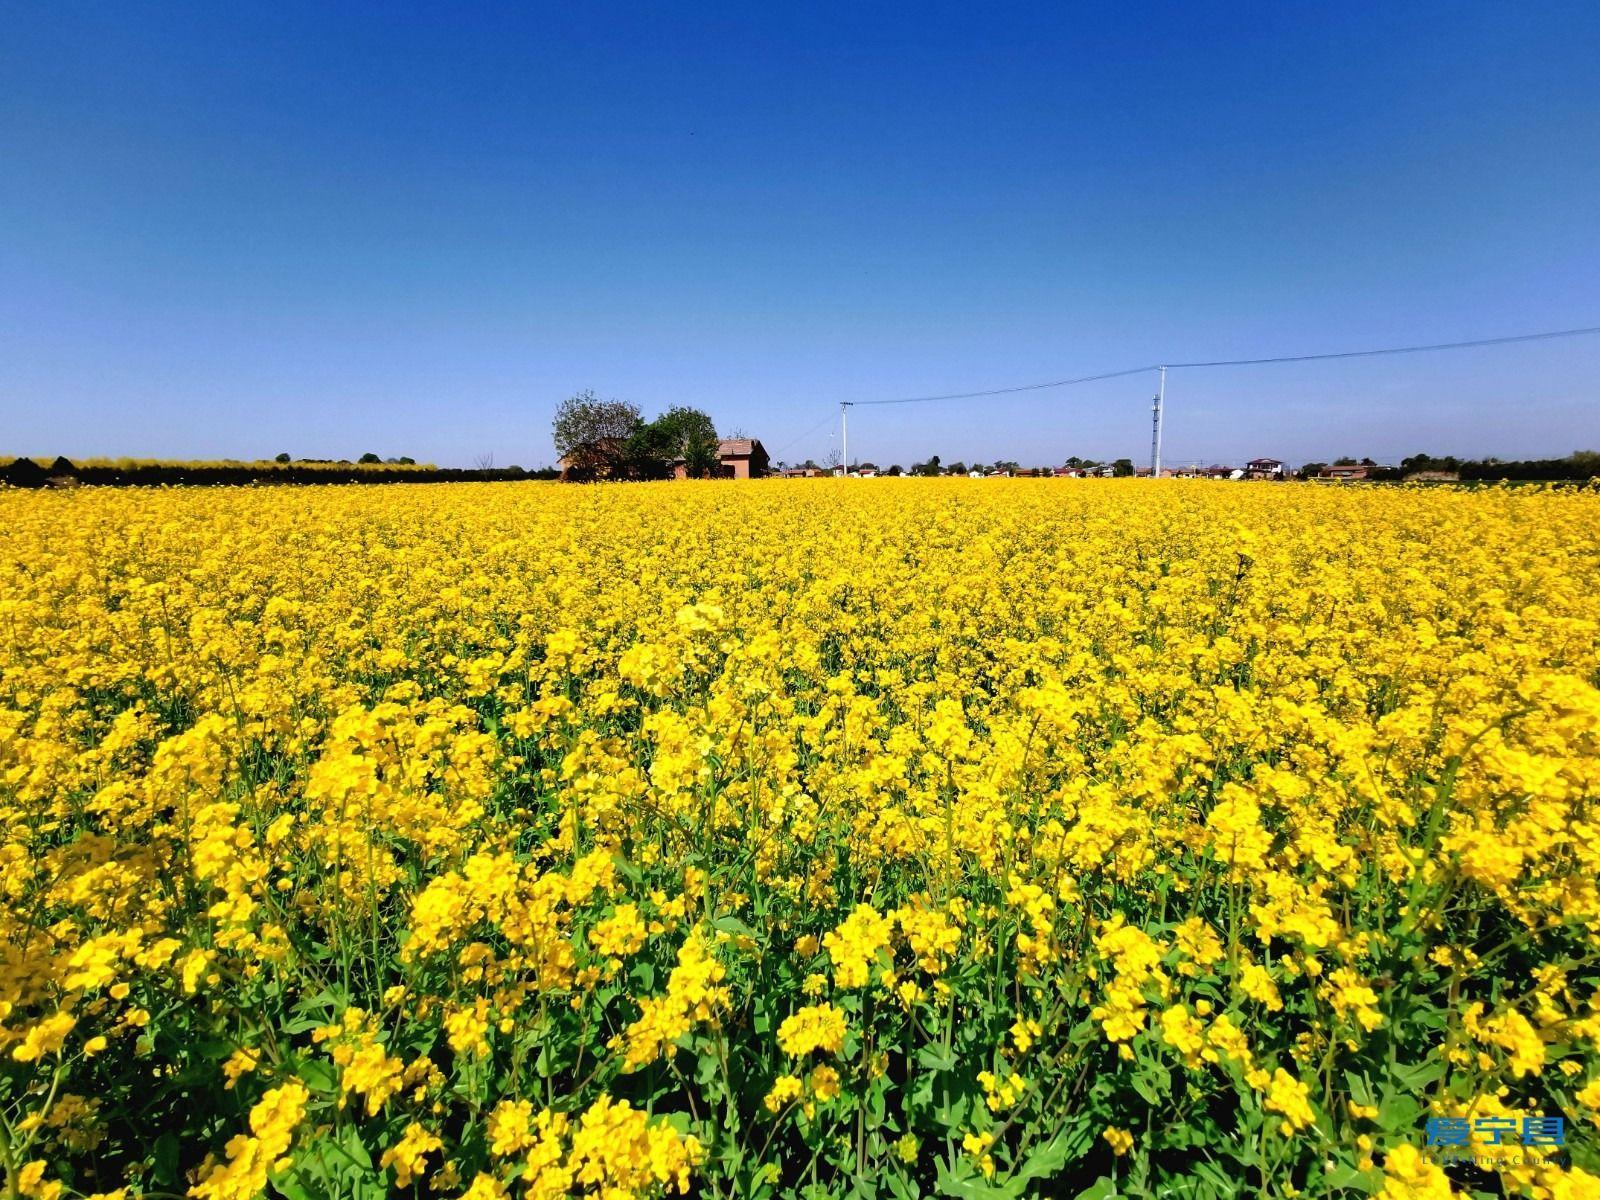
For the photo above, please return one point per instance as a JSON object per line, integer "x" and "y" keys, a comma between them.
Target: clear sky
{"x": 230, "y": 230}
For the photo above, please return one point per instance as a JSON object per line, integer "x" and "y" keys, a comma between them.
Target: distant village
{"x": 747, "y": 458}
{"x": 1078, "y": 468}
{"x": 610, "y": 440}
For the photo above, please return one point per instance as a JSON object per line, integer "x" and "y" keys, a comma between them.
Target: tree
{"x": 956, "y": 468}
{"x": 591, "y": 434}
{"x": 1122, "y": 468}
{"x": 894, "y": 470}
{"x": 1311, "y": 470}
{"x": 283, "y": 458}
{"x": 685, "y": 434}
{"x": 369, "y": 457}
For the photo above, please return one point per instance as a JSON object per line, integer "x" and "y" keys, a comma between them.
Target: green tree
{"x": 680, "y": 433}
{"x": 283, "y": 458}
{"x": 369, "y": 457}
{"x": 1122, "y": 467}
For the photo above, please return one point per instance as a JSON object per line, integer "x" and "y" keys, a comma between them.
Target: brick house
{"x": 1345, "y": 471}
{"x": 742, "y": 458}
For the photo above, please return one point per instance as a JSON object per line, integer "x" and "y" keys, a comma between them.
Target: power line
{"x": 1026, "y": 387}
{"x": 1496, "y": 341}
{"x": 806, "y": 434}
{"x": 1236, "y": 362}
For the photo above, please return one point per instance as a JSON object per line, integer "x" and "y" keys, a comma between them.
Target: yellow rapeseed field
{"x": 984, "y": 839}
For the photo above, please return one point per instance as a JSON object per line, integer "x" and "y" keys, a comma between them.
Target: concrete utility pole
{"x": 1155, "y": 427}
{"x": 844, "y": 433}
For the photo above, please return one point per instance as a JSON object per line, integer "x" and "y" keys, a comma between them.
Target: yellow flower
{"x": 785, "y": 1090}
{"x": 1120, "y": 1140}
{"x": 824, "y": 1081}
{"x": 485, "y": 1187}
{"x": 44, "y": 1037}
{"x": 240, "y": 1062}
{"x": 467, "y": 1029}
{"x": 855, "y": 945}
{"x": 409, "y": 1155}
{"x": 250, "y": 1158}
{"x": 1407, "y": 1175}
{"x": 510, "y": 1127}
{"x": 977, "y": 1147}
{"x": 32, "y": 1183}
{"x": 1292, "y": 1099}
{"x": 620, "y": 934}
{"x": 815, "y": 1027}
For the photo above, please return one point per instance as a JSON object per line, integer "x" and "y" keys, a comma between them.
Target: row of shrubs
{"x": 24, "y": 472}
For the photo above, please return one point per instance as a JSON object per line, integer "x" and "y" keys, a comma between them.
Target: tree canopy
{"x": 586, "y": 421}
{"x": 680, "y": 433}
{"x": 610, "y": 439}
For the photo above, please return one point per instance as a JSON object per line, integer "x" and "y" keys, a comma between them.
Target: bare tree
{"x": 484, "y": 462}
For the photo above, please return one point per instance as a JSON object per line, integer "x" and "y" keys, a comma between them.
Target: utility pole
{"x": 1155, "y": 426}
{"x": 844, "y": 433}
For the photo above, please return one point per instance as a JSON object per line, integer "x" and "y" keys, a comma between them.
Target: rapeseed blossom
{"x": 520, "y": 840}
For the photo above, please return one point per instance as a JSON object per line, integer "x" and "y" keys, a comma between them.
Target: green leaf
{"x": 1398, "y": 1113}
{"x": 1046, "y": 1158}
{"x": 964, "y": 1183}
{"x": 1152, "y": 1085}
{"x": 1100, "y": 1189}
{"x": 1360, "y": 1089}
{"x": 1419, "y": 1076}
{"x": 734, "y": 926}
{"x": 1221, "y": 1183}
{"x": 1345, "y": 1175}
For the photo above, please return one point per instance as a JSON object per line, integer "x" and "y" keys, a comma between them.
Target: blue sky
{"x": 327, "y": 229}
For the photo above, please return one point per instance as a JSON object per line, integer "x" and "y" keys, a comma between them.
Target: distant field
{"x": 816, "y": 838}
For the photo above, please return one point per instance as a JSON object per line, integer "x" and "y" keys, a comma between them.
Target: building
{"x": 738, "y": 458}
{"x": 742, "y": 458}
{"x": 1346, "y": 471}
{"x": 1263, "y": 468}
